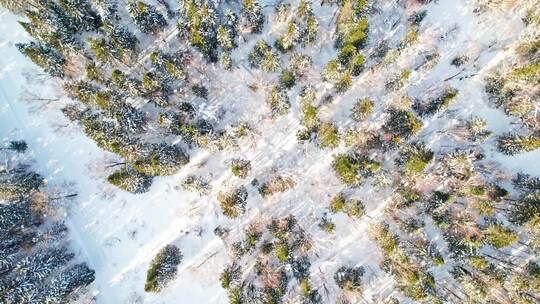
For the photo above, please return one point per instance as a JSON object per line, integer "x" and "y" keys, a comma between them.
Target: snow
{"x": 119, "y": 233}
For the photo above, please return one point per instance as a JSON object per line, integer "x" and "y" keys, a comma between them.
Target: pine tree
{"x": 233, "y": 203}
{"x": 147, "y": 18}
{"x": 44, "y": 56}
{"x": 254, "y": 18}
{"x": 278, "y": 100}
{"x": 86, "y": 18}
{"x": 349, "y": 278}
{"x": 511, "y": 144}
{"x": 163, "y": 268}
{"x": 130, "y": 180}
{"x": 103, "y": 50}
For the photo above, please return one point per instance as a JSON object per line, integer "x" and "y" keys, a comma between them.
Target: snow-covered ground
{"x": 119, "y": 233}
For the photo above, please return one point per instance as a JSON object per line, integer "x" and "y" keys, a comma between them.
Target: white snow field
{"x": 119, "y": 233}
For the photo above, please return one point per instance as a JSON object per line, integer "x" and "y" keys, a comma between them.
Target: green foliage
{"x": 398, "y": 81}
{"x": 102, "y": 49}
{"x": 230, "y": 276}
{"x": 305, "y": 286}
{"x": 252, "y": 11}
{"x": 431, "y": 107}
{"x": 362, "y": 109}
{"x": 163, "y": 268}
{"x": 147, "y": 18}
{"x": 401, "y": 124}
{"x": 511, "y": 144}
{"x": 262, "y": 56}
{"x": 200, "y": 90}
{"x": 349, "y": 279}
{"x": 337, "y": 204}
{"x": 130, "y": 180}
{"x": 278, "y": 100}
{"x": 46, "y": 57}
{"x": 18, "y": 146}
{"x": 233, "y": 203}
{"x": 240, "y": 167}
{"x": 160, "y": 160}
{"x": 414, "y": 158}
{"x": 282, "y": 252}
{"x": 327, "y": 226}
{"x": 352, "y": 168}
{"x": 354, "y": 208}
{"x": 328, "y": 136}
{"x": 287, "y": 79}
{"x": 499, "y": 237}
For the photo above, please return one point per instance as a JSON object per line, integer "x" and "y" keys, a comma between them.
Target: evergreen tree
{"x": 86, "y": 18}
{"x": 511, "y": 144}
{"x": 147, "y": 18}
{"x": 130, "y": 180}
{"x": 44, "y": 56}
{"x": 253, "y": 16}
{"x": 163, "y": 268}
{"x": 349, "y": 278}
{"x": 233, "y": 204}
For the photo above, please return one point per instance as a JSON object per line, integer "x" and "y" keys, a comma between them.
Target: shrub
{"x": 231, "y": 276}
{"x": 130, "y": 180}
{"x": 18, "y": 146}
{"x": 200, "y": 90}
{"x": 337, "y": 203}
{"x": 414, "y": 158}
{"x": 161, "y": 159}
{"x": 287, "y": 79}
{"x": 163, "y": 268}
{"x": 240, "y": 167}
{"x": 431, "y": 107}
{"x": 362, "y": 109}
{"x": 459, "y": 60}
{"x": 282, "y": 252}
{"x": 357, "y": 64}
{"x": 402, "y": 124}
{"x": 398, "y": 81}
{"x": 354, "y": 208}
{"x": 328, "y": 135}
{"x": 499, "y": 237}
{"x": 276, "y": 183}
{"x": 233, "y": 203}
{"x": 327, "y": 226}
{"x": 278, "y": 100}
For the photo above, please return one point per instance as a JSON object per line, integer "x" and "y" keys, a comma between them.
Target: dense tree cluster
{"x": 35, "y": 262}
{"x": 281, "y": 250}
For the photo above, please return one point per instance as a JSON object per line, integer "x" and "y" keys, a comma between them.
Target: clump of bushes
{"x": 163, "y": 268}
{"x": 352, "y": 168}
{"x": 401, "y": 124}
{"x": 353, "y": 207}
{"x": 414, "y": 158}
{"x": 511, "y": 144}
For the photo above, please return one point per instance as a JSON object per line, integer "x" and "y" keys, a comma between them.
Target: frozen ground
{"x": 119, "y": 233}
